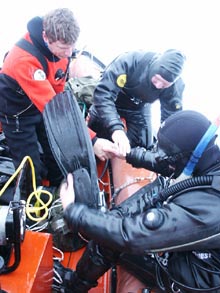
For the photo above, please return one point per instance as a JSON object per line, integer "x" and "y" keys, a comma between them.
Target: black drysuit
{"x": 125, "y": 91}
{"x": 166, "y": 243}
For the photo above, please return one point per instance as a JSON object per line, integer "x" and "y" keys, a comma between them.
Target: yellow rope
{"x": 40, "y": 205}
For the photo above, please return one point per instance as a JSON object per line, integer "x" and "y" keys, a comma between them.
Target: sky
{"x": 110, "y": 27}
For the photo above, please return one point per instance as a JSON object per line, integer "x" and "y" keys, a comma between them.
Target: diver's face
{"x": 59, "y": 49}
{"x": 159, "y": 82}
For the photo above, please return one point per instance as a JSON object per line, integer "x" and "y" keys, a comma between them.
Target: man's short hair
{"x": 61, "y": 25}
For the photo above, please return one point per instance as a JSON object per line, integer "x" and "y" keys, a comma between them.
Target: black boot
{"x": 67, "y": 281}
{"x": 79, "y": 285}
{"x": 91, "y": 266}
{"x": 62, "y": 279}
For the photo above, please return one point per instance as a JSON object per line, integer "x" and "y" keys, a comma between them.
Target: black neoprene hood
{"x": 182, "y": 131}
{"x": 169, "y": 65}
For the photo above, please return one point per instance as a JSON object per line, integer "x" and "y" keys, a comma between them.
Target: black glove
{"x": 139, "y": 157}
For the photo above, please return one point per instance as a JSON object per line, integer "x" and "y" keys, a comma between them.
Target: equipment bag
{"x": 83, "y": 89}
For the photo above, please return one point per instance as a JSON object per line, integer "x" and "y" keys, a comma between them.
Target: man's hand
{"x": 105, "y": 149}
{"x": 121, "y": 140}
{"x": 67, "y": 193}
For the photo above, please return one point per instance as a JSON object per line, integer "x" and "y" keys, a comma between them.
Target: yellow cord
{"x": 40, "y": 205}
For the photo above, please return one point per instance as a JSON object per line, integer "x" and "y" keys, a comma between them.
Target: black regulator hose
{"x": 141, "y": 158}
{"x": 185, "y": 184}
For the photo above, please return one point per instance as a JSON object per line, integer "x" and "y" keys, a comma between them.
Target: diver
{"x": 128, "y": 87}
{"x": 167, "y": 233}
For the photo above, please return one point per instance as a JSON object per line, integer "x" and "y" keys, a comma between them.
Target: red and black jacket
{"x": 24, "y": 85}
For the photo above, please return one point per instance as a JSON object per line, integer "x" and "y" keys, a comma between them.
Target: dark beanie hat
{"x": 169, "y": 65}
{"x": 182, "y": 131}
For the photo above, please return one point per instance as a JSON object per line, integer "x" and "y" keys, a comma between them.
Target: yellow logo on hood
{"x": 121, "y": 80}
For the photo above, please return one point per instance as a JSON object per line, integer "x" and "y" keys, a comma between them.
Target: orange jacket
{"x": 27, "y": 71}
{"x": 24, "y": 86}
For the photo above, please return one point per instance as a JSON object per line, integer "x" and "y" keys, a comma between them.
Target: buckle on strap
{"x": 174, "y": 288}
